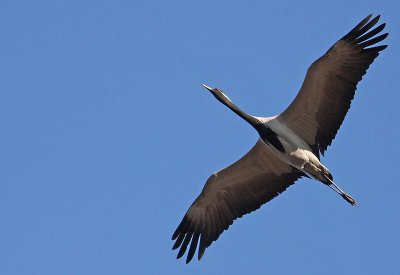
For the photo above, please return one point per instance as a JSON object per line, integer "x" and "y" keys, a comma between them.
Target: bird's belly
{"x": 297, "y": 152}
{"x": 294, "y": 155}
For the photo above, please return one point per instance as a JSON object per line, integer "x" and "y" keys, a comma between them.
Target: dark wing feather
{"x": 229, "y": 194}
{"x": 330, "y": 84}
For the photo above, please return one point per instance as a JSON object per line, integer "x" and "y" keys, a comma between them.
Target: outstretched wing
{"x": 241, "y": 188}
{"x": 328, "y": 89}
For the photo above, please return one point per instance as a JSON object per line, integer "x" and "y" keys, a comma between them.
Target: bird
{"x": 289, "y": 144}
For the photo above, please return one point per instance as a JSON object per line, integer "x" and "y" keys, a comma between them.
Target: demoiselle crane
{"x": 289, "y": 145}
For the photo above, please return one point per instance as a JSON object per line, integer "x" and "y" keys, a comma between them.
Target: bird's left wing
{"x": 241, "y": 188}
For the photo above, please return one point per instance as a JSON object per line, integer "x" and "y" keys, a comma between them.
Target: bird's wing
{"x": 331, "y": 81}
{"x": 241, "y": 188}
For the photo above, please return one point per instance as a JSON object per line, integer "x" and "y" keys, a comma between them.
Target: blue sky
{"x": 108, "y": 136}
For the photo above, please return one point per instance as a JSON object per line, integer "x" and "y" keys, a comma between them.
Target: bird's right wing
{"x": 319, "y": 108}
{"x": 241, "y": 188}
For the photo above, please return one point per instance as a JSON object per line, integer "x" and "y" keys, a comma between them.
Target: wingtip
{"x": 378, "y": 48}
{"x": 368, "y": 17}
{"x": 180, "y": 254}
{"x": 364, "y": 21}
{"x": 200, "y": 255}
{"x": 175, "y": 246}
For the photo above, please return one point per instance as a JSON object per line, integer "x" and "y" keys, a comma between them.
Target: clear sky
{"x": 107, "y": 136}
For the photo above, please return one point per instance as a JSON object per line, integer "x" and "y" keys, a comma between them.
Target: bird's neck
{"x": 266, "y": 134}
{"x": 250, "y": 119}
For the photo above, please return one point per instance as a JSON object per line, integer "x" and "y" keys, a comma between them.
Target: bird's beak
{"x": 208, "y": 88}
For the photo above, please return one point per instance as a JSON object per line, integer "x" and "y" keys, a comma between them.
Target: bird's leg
{"x": 328, "y": 180}
{"x": 344, "y": 195}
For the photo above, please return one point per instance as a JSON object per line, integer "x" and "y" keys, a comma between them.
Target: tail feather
{"x": 329, "y": 175}
{"x": 319, "y": 173}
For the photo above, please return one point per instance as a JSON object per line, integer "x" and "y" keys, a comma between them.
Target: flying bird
{"x": 289, "y": 144}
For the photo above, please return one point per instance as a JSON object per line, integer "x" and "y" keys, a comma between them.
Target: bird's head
{"x": 218, "y": 94}
{"x": 224, "y": 99}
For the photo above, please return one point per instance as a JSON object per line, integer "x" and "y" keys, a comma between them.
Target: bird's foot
{"x": 349, "y": 199}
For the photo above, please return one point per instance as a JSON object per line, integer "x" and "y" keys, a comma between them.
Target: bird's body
{"x": 297, "y": 152}
{"x": 290, "y": 144}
